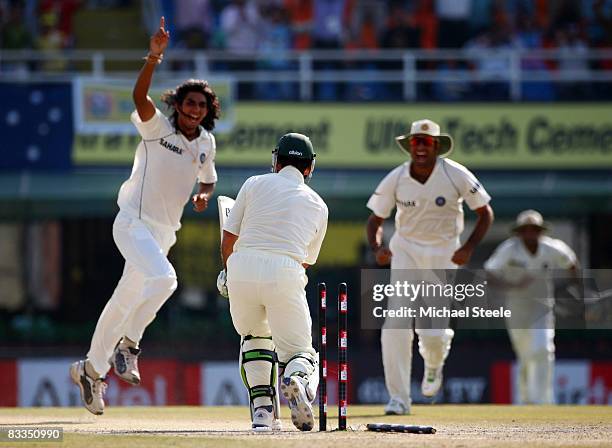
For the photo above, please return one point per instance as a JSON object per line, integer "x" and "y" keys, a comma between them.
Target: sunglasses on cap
{"x": 425, "y": 140}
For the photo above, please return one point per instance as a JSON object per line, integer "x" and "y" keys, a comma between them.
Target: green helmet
{"x": 297, "y": 146}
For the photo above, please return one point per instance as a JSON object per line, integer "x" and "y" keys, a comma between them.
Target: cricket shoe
{"x": 263, "y": 419}
{"x": 125, "y": 364}
{"x": 301, "y": 409}
{"x": 396, "y": 406}
{"x": 432, "y": 380}
{"x": 92, "y": 390}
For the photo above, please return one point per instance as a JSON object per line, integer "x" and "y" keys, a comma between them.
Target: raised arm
{"x": 158, "y": 43}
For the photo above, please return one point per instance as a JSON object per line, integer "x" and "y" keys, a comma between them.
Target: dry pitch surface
{"x": 457, "y": 426}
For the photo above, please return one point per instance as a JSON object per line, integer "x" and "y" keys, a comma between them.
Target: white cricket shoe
{"x": 396, "y": 406}
{"x": 432, "y": 380}
{"x": 125, "y": 364}
{"x": 263, "y": 419}
{"x": 92, "y": 390}
{"x": 301, "y": 409}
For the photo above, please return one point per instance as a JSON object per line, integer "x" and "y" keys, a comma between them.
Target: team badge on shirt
{"x": 440, "y": 201}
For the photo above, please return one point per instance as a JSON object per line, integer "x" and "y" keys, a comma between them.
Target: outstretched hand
{"x": 159, "y": 41}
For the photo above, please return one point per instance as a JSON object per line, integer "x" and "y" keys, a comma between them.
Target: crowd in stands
{"x": 267, "y": 27}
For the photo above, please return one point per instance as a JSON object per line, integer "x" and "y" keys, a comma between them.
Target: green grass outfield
{"x": 457, "y": 426}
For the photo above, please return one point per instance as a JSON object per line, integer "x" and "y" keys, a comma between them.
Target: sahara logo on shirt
{"x": 407, "y": 203}
{"x": 170, "y": 146}
{"x": 475, "y": 188}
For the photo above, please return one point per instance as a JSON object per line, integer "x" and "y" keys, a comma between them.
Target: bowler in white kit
{"x": 428, "y": 193}
{"x": 173, "y": 155}
{"x": 272, "y": 234}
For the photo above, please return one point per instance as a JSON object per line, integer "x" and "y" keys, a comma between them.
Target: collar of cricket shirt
{"x": 291, "y": 172}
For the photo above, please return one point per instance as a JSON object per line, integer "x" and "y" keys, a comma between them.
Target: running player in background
{"x": 523, "y": 266}
{"x": 173, "y": 155}
{"x": 428, "y": 192}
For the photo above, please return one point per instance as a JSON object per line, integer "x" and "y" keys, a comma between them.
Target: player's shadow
{"x": 55, "y": 422}
{"x": 382, "y": 414}
{"x": 201, "y": 431}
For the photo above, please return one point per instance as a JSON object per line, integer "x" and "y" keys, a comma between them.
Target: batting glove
{"x": 222, "y": 284}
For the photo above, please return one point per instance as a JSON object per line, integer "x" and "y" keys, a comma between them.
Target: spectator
{"x": 15, "y": 36}
{"x": 573, "y": 63}
{"x": 328, "y": 33}
{"x": 453, "y": 16}
{"x": 301, "y": 17}
{"x": 64, "y": 11}
{"x": 490, "y": 59}
{"x": 329, "y": 23}
{"x": 425, "y": 19}
{"x": 241, "y": 26}
{"x": 241, "y": 23}
{"x": 600, "y": 25}
{"x": 194, "y": 23}
{"x": 52, "y": 41}
{"x": 366, "y": 24}
{"x": 400, "y": 30}
{"x": 480, "y": 19}
{"x": 565, "y": 13}
{"x": 275, "y": 39}
{"x": 530, "y": 37}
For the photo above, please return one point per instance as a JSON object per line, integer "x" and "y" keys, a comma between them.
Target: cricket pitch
{"x": 457, "y": 426}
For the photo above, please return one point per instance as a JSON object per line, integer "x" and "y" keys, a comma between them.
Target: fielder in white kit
{"x": 523, "y": 266}
{"x": 173, "y": 155}
{"x": 272, "y": 234}
{"x": 428, "y": 192}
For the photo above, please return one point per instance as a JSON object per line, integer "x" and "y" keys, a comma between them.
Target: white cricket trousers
{"x": 267, "y": 298}
{"x": 535, "y": 352}
{"x": 148, "y": 281}
{"x": 434, "y": 343}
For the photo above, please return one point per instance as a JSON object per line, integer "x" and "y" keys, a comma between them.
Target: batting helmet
{"x": 294, "y": 146}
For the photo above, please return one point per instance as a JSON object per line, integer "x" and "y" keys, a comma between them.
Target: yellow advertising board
{"x": 496, "y": 136}
{"x": 104, "y": 106}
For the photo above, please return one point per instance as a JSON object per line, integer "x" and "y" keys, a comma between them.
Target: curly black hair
{"x": 172, "y": 97}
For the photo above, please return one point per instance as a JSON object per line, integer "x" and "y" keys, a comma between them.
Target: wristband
{"x": 158, "y": 59}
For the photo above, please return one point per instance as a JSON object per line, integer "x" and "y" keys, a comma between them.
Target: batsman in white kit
{"x": 428, "y": 193}
{"x": 173, "y": 155}
{"x": 272, "y": 234}
{"x": 524, "y": 266}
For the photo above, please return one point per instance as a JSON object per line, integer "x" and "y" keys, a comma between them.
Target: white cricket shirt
{"x": 429, "y": 213}
{"x": 279, "y": 213}
{"x": 512, "y": 262}
{"x": 166, "y": 167}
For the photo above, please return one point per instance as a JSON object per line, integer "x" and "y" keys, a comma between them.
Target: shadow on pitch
{"x": 201, "y": 432}
{"x": 55, "y": 422}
